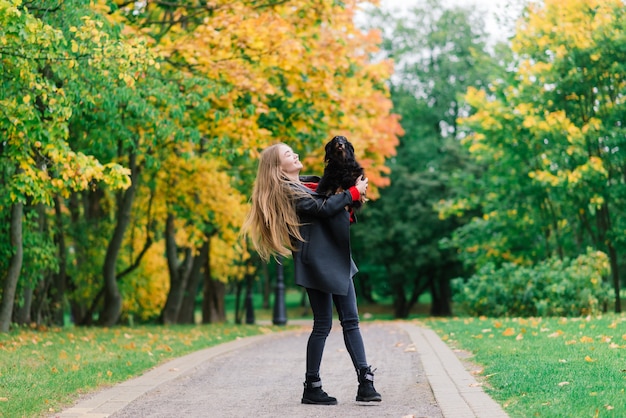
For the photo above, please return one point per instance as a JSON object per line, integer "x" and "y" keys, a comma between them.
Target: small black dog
{"x": 341, "y": 168}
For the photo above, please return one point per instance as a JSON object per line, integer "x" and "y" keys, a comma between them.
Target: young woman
{"x": 287, "y": 216}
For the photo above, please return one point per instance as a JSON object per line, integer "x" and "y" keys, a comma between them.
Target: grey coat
{"x": 324, "y": 260}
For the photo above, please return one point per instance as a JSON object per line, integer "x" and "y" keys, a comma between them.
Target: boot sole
{"x": 310, "y": 402}
{"x": 373, "y": 399}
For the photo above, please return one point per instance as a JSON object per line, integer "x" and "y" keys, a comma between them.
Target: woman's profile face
{"x": 289, "y": 162}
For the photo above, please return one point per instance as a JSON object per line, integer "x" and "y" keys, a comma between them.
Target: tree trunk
{"x": 59, "y": 286}
{"x": 400, "y": 310}
{"x": 267, "y": 287}
{"x": 238, "y": 309}
{"x": 186, "y": 315}
{"x": 615, "y": 275}
{"x": 15, "y": 267}
{"x": 440, "y": 292}
{"x": 178, "y": 274}
{"x": 110, "y": 313}
{"x": 22, "y": 313}
{"x": 26, "y": 313}
{"x": 213, "y": 292}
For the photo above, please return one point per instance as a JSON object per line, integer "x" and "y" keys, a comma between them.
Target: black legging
{"x": 322, "y": 307}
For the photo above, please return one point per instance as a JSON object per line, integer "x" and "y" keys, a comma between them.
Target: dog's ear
{"x": 328, "y": 149}
{"x": 349, "y": 147}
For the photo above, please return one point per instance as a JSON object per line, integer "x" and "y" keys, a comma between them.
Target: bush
{"x": 554, "y": 287}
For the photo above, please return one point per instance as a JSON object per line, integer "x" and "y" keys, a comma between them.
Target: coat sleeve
{"x": 322, "y": 206}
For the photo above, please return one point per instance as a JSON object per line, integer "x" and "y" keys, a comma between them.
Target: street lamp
{"x": 280, "y": 314}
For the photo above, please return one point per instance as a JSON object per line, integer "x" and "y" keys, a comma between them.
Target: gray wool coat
{"x": 324, "y": 260}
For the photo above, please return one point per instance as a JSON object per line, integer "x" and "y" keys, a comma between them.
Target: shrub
{"x": 554, "y": 287}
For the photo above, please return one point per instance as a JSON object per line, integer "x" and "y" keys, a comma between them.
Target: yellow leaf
{"x": 26, "y": 99}
{"x": 589, "y": 359}
{"x": 585, "y": 339}
{"x": 508, "y": 332}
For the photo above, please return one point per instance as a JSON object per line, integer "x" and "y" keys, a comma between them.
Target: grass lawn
{"x": 546, "y": 367}
{"x": 42, "y": 371}
{"x": 537, "y": 367}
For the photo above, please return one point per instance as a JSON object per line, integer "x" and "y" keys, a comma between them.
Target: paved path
{"x": 417, "y": 375}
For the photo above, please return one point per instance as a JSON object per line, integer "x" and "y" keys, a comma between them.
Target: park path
{"x": 417, "y": 375}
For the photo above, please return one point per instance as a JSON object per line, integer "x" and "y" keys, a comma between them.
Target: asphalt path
{"x": 265, "y": 379}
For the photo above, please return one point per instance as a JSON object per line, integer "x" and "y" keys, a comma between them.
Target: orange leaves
{"x": 508, "y": 332}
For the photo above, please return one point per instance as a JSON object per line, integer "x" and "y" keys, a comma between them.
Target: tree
{"x": 549, "y": 137}
{"x": 36, "y": 160}
{"x": 439, "y": 52}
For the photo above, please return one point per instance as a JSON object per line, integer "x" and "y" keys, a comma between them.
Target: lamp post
{"x": 280, "y": 314}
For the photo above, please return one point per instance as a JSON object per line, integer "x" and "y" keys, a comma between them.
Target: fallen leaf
{"x": 508, "y": 332}
{"x": 520, "y": 336}
{"x": 589, "y": 359}
{"x": 585, "y": 339}
{"x": 562, "y": 360}
{"x": 563, "y": 383}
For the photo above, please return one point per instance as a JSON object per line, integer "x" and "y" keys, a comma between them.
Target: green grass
{"x": 42, "y": 371}
{"x": 540, "y": 367}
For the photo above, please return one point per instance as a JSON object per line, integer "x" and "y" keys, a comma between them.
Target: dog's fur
{"x": 341, "y": 168}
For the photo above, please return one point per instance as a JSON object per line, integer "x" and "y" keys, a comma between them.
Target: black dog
{"x": 341, "y": 168}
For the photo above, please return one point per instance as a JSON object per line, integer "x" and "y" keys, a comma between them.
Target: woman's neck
{"x": 295, "y": 177}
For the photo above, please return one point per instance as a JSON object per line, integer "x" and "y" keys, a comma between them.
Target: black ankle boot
{"x": 366, "y": 392}
{"x": 314, "y": 395}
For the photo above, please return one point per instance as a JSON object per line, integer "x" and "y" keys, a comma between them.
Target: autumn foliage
{"x": 130, "y": 137}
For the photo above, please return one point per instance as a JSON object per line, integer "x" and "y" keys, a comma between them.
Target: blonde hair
{"x": 272, "y": 222}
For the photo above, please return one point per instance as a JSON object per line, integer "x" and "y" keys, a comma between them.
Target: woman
{"x": 287, "y": 216}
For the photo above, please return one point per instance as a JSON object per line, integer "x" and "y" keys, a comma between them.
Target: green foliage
{"x": 554, "y": 287}
{"x": 438, "y": 52}
{"x": 549, "y": 137}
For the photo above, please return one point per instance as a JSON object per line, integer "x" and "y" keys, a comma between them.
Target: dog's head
{"x": 339, "y": 149}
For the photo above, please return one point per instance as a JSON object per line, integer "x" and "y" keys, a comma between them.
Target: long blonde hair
{"x": 272, "y": 222}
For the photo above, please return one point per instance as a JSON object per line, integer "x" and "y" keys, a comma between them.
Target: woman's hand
{"x": 361, "y": 185}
